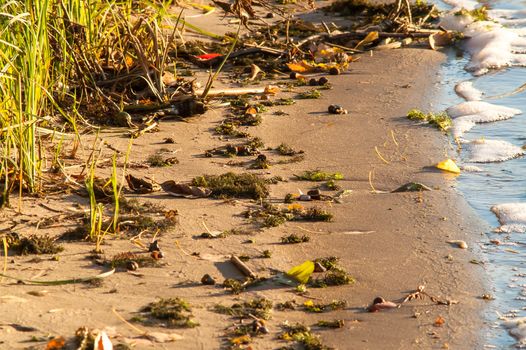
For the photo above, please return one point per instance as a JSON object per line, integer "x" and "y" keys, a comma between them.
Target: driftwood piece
{"x": 242, "y": 267}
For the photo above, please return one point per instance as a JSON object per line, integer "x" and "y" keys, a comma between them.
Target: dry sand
{"x": 405, "y": 245}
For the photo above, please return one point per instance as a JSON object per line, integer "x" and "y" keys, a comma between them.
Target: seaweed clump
{"x": 272, "y": 216}
{"x": 311, "y": 306}
{"x": 170, "y": 312}
{"x": 230, "y": 185}
{"x": 302, "y": 334}
{"x": 318, "y": 175}
{"x": 33, "y": 244}
{"x": 441, "y": 120}
{"x": 259, "y": 307}
{"x": 335, "y": 275}
{"x": 128, "y": 260}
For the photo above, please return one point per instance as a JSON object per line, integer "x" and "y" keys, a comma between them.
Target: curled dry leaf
{"x": 139, "y": 185}
{"x": 254, "y": 71}
{"x": 102, "y": 342}
{"x": 184, "y": 190}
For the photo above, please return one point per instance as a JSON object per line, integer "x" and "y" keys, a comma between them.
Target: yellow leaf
{"x": 302, "y": 272}
{"x": 300, "y": 67}
{"x": 448, "y": 165}
{"x": 308, "y": 303}
{"x": 372, "y": 36}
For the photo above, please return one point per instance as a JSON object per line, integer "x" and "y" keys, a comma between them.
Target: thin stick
{"x": 242, "y": 267}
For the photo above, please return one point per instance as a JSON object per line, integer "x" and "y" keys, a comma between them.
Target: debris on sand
{"x": 32, "y": 244}
{"x": 231, "y": 185}
{"x": 318, "y": 175}
{"x": 170, "y": 313}
{"x": 302, "y": 334}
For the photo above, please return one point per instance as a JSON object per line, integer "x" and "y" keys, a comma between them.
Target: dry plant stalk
{"x": 421, "y": 294}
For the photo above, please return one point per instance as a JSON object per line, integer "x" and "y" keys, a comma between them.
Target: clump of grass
{"x": 266, "y": 254}
{"x": 441, "y": 121}
{"x": 329, "y": 262}
{"x": 303, "y": 335}
{"x": 318, "y": 175}
{"x": 170, "y": 312}
{"x": 34, "y": 244}
{"x": 279, "y": 102}
{"x": 311, "y": 94}
{"x": 311, "y": 306}
{"x": 294, "y": 239}
{"x": 234, "y": 285}
{"x": 331, "y": 324}
{"x": 315, "y": 214}
{"x": 230, "y": 185}
{"x": 259, "y": 307}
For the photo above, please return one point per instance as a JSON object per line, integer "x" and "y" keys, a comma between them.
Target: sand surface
{"x": 391, "y": 243}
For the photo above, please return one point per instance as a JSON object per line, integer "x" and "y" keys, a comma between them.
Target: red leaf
{"x": 209, "y": 56}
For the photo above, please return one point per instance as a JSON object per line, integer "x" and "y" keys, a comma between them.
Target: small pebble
{"x": 132, "y": 266}
{"x": 313, "y": 82}
{"x": 322, "y": 81}
{"x": 334, "y": 71}
{"x": 208, "y": 280}
{"x": 337, "y": 109}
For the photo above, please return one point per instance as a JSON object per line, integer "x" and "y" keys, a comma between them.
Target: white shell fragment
{"x": 460, "y": 244}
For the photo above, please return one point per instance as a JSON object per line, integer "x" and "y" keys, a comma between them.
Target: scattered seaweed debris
{"x": 311, "y": 306}
{"x": 331, "y": 324}
{"x": 441, "y": 120}
{"x": 286, "y": 150}
{"x": 157, "y": 160}
{"x": 310, "y": 94}
{"x": 478, "y": 14}
{"x": 259, "y": 307}
{"x": 32, "y": 244}
{"x": 261, "y": 162}
{"x": 269, "y": 215}
{"x": 303, "y": 335}
{"x": 230, "y": 185}
{"x": 286, "y": 305}
{"x": 334, "y": 275}
{"x": 318, "y": 175}
{"x": 230, "y": 129}
{"x": 131, "y": 261}
{"x": 170, "y": 313}
{"x": 237, "y": 286}
{"x": 294, "y": 239}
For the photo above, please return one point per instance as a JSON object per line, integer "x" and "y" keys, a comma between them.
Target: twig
{"x": 242, "y": 267}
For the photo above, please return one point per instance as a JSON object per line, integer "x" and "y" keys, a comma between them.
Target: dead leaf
{"x": 184, "y": 190}
{"x": 38, "y": 293}
{"x": 56, "y": 343}
{"x": 102, "y": 342}
{"x": 139, "y": 185}
{"x": 160, "y": 337}
{"x": 271, "y": 90}
{"x": 372, "y": 36}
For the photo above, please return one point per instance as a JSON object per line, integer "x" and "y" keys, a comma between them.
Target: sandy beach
{"x": 390, "y": 243}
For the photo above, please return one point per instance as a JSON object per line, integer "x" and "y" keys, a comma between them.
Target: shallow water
{"x": 497, "y": 183}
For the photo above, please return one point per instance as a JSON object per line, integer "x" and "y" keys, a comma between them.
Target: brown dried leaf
{"x": 184, "y": 190}
{"x": 139, "y": 185}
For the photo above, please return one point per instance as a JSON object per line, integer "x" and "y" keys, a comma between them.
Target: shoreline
{"x": 406, "y": 249}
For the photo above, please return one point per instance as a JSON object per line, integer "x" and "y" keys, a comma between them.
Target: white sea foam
{"x": 471, "y": 169}
{"x": 465, "y": 123}
{"x": 489, "y": 151}
{"x": 512, "y": 217}
{"x": 478, "y": 107}
{"x": 467, "y": 91}
{"x": 491, "y": 45}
